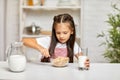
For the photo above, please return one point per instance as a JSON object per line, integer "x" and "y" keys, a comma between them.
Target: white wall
{"x": 12, "y": 18}
{"x": 95, "y": 15}
{"x": 9, "y": 14}
{"x": 1, "y": 29}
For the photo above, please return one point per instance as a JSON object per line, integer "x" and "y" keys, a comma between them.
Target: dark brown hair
{"x": 64, "y": 18}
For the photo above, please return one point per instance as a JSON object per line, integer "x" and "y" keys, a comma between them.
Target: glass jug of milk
{"x": 16, "y": 57}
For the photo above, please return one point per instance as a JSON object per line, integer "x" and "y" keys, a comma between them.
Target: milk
{"x": 81, "y": 62}
{"x": 17, "y": 63}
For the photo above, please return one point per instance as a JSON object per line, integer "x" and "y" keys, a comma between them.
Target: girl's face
{"x": 63, "y": 32}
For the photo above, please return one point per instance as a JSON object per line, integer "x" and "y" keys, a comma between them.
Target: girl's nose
{"x": 61, "y": 35}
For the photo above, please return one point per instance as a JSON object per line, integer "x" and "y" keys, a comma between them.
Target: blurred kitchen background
{"x": 94, "y": 15}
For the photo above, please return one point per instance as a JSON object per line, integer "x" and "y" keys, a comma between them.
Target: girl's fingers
{"x": 45, "y": 52}
{"x": 87, "y": 63}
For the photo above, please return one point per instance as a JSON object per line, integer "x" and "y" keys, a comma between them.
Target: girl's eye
{"x": 57, "y": 32}
{"x": 65, "y": 32}
{"x": 62, "y": 33}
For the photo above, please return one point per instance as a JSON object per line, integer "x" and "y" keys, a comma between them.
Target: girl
{"x": 61, "y": 43}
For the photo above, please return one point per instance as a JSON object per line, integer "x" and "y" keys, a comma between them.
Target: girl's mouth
{"x": 62, "y": 39}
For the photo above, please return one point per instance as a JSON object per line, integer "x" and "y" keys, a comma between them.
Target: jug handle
{"x": 8, "y": 50}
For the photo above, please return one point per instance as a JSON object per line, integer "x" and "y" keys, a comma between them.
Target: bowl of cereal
{"x": 60, "y": 61}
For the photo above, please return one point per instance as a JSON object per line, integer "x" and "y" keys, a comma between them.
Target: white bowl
{"x": 60, "y": 61}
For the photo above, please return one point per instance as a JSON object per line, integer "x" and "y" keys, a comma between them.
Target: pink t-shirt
{"x": 60, "y": 52}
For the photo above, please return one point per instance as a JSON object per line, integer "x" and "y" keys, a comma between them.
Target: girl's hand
{"x": 87, "y": 63}
{"x": 45, "y": 52}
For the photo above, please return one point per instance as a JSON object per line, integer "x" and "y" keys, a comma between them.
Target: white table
{"x": 44, "y": 71}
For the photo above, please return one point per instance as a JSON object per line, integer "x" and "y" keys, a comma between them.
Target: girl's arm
{"x": 31, "y": 42}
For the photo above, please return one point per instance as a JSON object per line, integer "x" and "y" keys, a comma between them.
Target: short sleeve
{"x": 77, "y": 48}
{"x": 44, "y": 41}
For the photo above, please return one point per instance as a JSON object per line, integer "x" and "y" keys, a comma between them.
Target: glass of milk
{"x": 82, "y": 59}
{"x": 16, "y": 57}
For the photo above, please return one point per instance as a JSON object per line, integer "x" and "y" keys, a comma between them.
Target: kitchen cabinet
{"x": 42, "y": 15}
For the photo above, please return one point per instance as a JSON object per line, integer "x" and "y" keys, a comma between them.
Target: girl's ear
{"x": 72, "y": 32}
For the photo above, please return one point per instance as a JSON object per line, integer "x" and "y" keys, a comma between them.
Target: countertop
{"x": 44, "y": 71}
